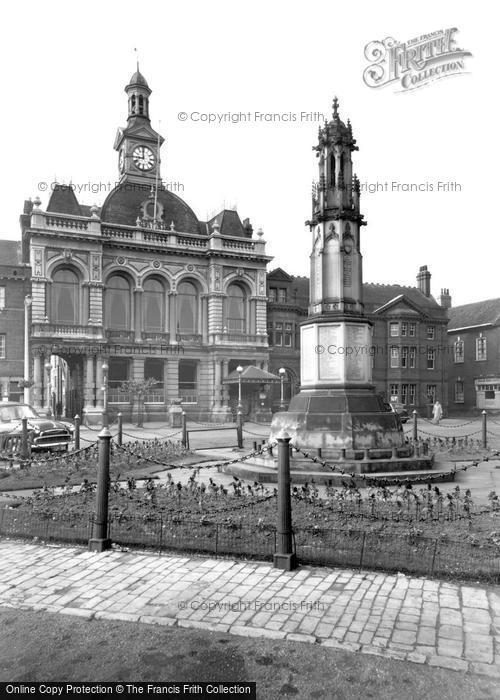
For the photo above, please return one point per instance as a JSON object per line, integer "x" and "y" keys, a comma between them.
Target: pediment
{"x": 400, "y": 306}
{"x": 279, "y": 275}
{"x": 142, "y": 131}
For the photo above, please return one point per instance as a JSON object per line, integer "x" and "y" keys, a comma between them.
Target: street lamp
{"x": 27, "y": 305}
{"x": 239, "y": 369}
{"x": 105, "y": 368}
{"x": 48, "y": 369}
{"x": 282, "y": 373}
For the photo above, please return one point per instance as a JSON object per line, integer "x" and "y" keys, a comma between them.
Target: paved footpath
{"x": 412, "y": 619}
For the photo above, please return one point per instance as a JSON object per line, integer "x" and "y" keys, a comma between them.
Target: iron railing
{"x": 385, "y": 551}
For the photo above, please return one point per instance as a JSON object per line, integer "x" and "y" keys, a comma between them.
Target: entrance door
{"x": 72, "y": 379}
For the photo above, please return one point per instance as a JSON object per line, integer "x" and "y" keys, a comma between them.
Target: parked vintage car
{"x": 44, "y": 433}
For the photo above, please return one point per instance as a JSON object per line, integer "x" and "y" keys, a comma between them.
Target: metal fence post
{"x": 120, "y": 429}
{"x": 100, "y": 541}
{"x": 184, "y": 439}
{"x": 285, "y": 558}
{"x": 25, "y": 451}
{"x": 415, "y": 425}
{"x": 239, "y": 429}
{"x": 485, "y": 426}
{"x": 362, "y": 550}
{"x": 77, "y": 432}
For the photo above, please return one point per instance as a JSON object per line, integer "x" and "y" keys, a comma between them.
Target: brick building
{"x": 474, "y": 356}
{"x": 14, "y": 288}
{"x": 409, "y": 336}
{"x": 288, "y": 298}
{"x": 143, "y": 286}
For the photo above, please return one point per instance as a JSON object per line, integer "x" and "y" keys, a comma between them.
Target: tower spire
{"x": 335, "y": 107}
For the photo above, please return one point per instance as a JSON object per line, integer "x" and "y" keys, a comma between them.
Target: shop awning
{"x": 252, "y": 375}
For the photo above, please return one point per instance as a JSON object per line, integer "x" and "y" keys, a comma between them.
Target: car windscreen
{"x": 10, "y": 413}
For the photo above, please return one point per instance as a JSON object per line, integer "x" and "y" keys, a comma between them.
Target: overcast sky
{"x": 65, "y": 66}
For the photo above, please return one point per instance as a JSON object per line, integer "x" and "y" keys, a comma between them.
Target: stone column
{"x": 89, "y": 381}
{"x": 204, "y": 320}
{"x": 47, "y": 379}
{"x": 217, "y": 383}
{"x": 37, "y": 378}
{"x": 172, "y": 315}
{"x": 138, "y": 314}
{"x": 98, "y": 382}
{"x": 172, "y": 378}
{"x": 225, "y": 387}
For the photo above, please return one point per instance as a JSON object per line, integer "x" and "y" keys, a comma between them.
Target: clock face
{"x": 121, "y": 160}
{"x": 143, "y": 157}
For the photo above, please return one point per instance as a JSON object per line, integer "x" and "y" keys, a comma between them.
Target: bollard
{"x": 100, "y": 540}
{"x": 394, "y": 454}
{"x": 366, "y": 454}
{"x": 184, "y": 439}
{"x": 320, "y": 454}
{"x": 120, "y": 429}
{"x": 343, "y": 452}
{"x": 77, "y": 432}
{"x": 25, "y": 451}
{"x": 285, "y": 557}
{"x": 485, "y": 425}
{"x": 255, "y": 445}
{"x": 239, "y": 430}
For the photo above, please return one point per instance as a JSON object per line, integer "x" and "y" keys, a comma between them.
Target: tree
{"x": 138, "y": 389}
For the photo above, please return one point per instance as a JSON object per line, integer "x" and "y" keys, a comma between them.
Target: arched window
{"x": 154, "y": 305}
{"x": 187, "y": 306}
{"x": 141, "y": 104}
{"x": 132, "y": 101}
{"x": 235, "y": 317}
{"x": 65, "y": 297}
{"x": 332, "y": 169}
{"x": 118, "y": 303}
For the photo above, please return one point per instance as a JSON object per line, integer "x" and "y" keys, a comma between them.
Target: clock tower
{"x": 138, "y": 144}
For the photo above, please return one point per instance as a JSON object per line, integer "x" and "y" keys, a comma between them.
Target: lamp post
{"x": 239, "y": 369}
{"x": 105, "y": 368}
{"x": 27, "y": 305}
{"x": 282, "y": 373}
{"x": 48, "y": 369}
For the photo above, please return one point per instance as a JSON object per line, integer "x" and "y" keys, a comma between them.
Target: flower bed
{"x": 422, "y": 531}
{"x": 71, "y": 468}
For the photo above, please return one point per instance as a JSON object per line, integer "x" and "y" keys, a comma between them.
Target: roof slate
{"x": 476, "y": 314}
{"x": 10, "y": 252}
{"x": 63, "y": 201}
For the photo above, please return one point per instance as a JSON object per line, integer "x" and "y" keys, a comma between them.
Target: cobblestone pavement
{"x": 420, "y": 620}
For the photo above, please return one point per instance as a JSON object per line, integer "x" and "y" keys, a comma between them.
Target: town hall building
{"x": 140, "y": 288}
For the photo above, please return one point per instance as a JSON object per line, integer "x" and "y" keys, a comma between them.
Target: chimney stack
{"x": 445, "y": 299}
{"x": 424, "y": 280}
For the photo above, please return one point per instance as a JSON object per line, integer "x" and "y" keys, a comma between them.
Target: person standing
{"x": 437, "y": 413}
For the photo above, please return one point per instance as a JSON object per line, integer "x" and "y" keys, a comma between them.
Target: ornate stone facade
{"x": 144, "y": 287}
